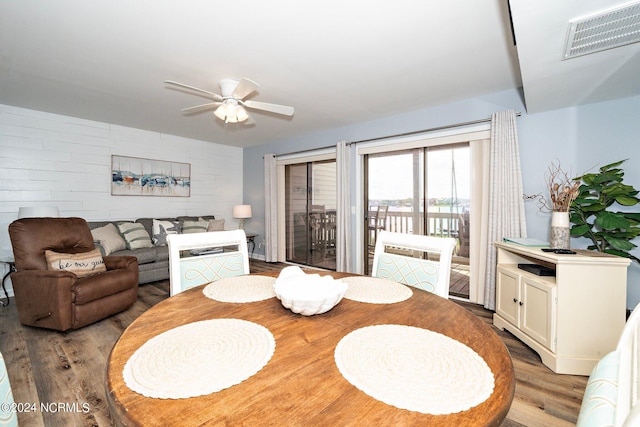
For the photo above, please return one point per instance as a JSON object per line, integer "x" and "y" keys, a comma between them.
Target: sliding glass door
{"x": 394, "y": 194}
{"x": 422, "y": 191}
{"x": 310, "y": 212}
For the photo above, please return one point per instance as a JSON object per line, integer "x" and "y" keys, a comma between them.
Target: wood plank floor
{"x": 459, "y": 281}
{"x": 65, "y": 371}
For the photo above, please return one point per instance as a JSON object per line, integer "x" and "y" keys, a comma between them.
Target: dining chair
{"x": 8, "y": 416}
{"x": 199, "y": 258}
{"x": 612, "y": 394}
{"x": 395, "y": 259}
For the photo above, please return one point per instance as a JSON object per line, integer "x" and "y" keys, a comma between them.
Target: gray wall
{"x": 580, "y": 138}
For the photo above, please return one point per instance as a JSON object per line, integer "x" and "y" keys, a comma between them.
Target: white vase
{"x": 560, "y": 230}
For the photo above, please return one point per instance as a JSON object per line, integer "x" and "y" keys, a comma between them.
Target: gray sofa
{"x": 153, "y": 260}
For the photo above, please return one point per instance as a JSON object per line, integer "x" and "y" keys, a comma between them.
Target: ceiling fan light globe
{"x": 242, "y": 114}
{"x": 221, "y": 112}
{"x": 230, "y": 108}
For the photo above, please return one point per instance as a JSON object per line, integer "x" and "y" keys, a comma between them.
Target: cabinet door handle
{"x": 521, "y": 303}
{"x": 515, "y": 300}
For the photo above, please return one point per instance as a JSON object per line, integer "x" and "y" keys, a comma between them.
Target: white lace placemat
{"x": 241, "y": 289}
{"x": 199, "y": 358}
{"x": 375, "y": 290}
{"x": 415, "y": 369}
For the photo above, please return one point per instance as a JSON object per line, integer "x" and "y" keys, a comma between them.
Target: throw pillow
{"x": 108, "y": 238}
{"x": 194, "y": 226}
{"x": 81, "y": 264}
{"x": 161, "y": 229}
{"x": 135, "y": 235}
{"x": 216, "y": 225}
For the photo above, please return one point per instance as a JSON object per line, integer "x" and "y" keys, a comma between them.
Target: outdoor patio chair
{"x": 376, "y": 224}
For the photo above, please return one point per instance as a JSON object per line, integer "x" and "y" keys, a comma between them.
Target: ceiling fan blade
{"x": 249, "y": 121}
{"x": 244, "y": 88}
{"x": 274, "y": 108}
{"x": 211, "y": 94}
{"x": 201, "y": 107}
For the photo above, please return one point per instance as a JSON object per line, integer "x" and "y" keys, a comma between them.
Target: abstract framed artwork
{"x": 132, "y": 176}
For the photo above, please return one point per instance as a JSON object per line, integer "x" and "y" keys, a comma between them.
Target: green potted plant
{"x": 593, "y": 217}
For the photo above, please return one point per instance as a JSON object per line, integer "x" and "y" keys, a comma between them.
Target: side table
{"x": 12, "y": 267}
{"x": 251, "y": 239}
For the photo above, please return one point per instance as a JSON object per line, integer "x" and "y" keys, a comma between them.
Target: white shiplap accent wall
{"x": 49, "y": 159}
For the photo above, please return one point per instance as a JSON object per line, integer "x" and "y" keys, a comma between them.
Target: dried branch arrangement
{"x": 562, "y": 189}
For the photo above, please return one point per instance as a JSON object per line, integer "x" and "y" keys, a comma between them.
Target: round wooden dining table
{"x": 301, "y": 385}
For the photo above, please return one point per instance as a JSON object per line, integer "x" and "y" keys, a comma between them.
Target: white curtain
{"x": 343, "y": 209}
{"x": 480, "y": 155}
{"x": 506, "y": 206}
{"x": 270, "y": 208}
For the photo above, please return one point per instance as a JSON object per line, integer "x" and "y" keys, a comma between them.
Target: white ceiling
{"x": 541, "y": 28}
{"x": 337, "y": 62}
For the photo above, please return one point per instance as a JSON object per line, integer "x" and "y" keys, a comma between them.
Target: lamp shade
{"x": 38, "y": 212}
{"x": 241, "y": 114}
{"x": 231, "y": 112}
{"x": 242, "y": 211}
{"x": 221, "y": 112}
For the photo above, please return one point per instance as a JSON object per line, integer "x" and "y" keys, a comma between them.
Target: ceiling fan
{"x": 231, "y": 104}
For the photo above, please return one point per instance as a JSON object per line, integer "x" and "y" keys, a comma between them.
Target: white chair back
{"x": 629, "y": 369}
{"x": 611, "y": 394}
{"x": 429, "y": 275}
{"x": 199, "y": 258}
{"x": 8, "y": 416}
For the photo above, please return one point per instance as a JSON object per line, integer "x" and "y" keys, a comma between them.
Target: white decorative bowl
{"x": 308, "y": 294}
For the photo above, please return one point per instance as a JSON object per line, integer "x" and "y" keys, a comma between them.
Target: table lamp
{"x": 241, "y": 212}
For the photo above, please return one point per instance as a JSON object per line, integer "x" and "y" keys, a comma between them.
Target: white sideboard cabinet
{"x": 571, "y": 319}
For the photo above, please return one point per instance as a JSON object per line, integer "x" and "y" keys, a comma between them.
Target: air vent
{"x": 605, "y": 30}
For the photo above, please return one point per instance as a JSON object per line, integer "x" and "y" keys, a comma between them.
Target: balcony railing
{"x": 440, "y": 224}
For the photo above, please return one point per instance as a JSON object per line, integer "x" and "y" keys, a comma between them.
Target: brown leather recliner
{"x": 59, "y": 299}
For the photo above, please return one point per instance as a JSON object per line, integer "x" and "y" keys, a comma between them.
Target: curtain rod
{"x": 415, "y": 132}
{"x": 455, "y": 125}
